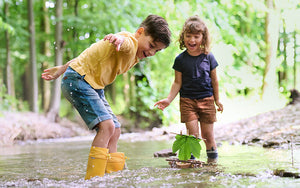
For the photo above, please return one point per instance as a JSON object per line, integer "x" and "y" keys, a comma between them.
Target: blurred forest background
{"x": 255, "y": 42}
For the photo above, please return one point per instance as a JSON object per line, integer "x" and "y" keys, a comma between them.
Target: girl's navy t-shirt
{"x": 196, "y": 81}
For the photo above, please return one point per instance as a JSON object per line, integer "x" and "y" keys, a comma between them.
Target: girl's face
{"x": 193, "y": 43}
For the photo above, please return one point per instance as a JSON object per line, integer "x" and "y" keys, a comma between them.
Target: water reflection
{"x": 63, "y": 164}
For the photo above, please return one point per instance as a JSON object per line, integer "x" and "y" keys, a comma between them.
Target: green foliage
{"x": 142, "y": 109}
{"x": 6, "y": 27}
{"x": 10, "y": 103}
{"x": 186, "y": 145}
{"x": 237, "y": 29}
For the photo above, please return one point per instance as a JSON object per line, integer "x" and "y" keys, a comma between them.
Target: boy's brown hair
{"x": 158, "y": 28}
{"x": 195, "y": 25}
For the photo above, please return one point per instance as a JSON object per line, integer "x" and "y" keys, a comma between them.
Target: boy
{"x": 86, "y": 76}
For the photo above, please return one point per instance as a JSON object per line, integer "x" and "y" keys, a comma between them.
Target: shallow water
{"x": 62, "y": 163}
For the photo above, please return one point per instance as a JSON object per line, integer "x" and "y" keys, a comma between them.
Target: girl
{"x": 196, "y": 80}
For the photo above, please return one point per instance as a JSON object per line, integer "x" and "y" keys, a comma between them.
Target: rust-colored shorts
{"x": 202, "y": 109}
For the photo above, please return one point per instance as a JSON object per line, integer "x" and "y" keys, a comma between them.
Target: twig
{"x": 183, "y": 161}
{"x": 172, "y": 133}
{"x": 187, "y": 135}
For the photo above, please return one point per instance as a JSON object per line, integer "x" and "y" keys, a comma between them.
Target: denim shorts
{"x": 89, "y": 102}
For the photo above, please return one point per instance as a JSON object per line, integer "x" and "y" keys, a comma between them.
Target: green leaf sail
{"x": 185, "y": 151}
{"x": 195, "y": 147}
{"x": 180, "y": 140}
{"x": 186, "y": 145}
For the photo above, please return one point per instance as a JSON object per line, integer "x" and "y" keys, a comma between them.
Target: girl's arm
{"x": 162, "y": 104}
{"x": 54, "y": 72}
{"x": 215, "y": 85}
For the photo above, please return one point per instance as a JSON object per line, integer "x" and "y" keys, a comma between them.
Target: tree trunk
{"x": 45, "y": 46}
{"x": 270, "y": 85}
{"x": 132, "y": 89}
{"x": 10, "y": 83}
{"x": 295, "y": 60}
{"x": 33, "y": 73}
{"x": 75, "y": 33}
{"x": 53, "y": 113}
{"x": 282, "y": 75}
{"x": 126, "y": 89}
{"x": 129, "y": 89}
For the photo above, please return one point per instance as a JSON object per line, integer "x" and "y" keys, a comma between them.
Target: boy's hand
{"x": 162, "y": 104}
{"x": 115, "y": 39}
{"x": 53, "y": 73}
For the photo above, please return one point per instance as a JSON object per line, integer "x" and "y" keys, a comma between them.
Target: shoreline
{"x": 274, "y": 129}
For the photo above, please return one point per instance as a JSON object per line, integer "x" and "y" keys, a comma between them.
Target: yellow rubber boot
{"x": 97, "y": 162}
{"x": 115, "y": 162}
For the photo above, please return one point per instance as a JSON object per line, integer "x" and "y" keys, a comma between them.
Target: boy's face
{"x": 146, "y": 46}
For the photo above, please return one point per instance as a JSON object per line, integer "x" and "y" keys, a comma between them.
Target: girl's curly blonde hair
{"x": 195, "y": 25}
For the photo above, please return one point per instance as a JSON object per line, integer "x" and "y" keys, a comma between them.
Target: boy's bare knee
{"x": 117, "y": 132}
{"x": 107, "y": 126}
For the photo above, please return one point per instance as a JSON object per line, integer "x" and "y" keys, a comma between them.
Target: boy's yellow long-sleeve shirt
{"x": 101, "y": 63}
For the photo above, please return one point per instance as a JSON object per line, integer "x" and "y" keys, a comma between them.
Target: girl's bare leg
{"x": 192, "y": 128}
{"x": 207, "y": 133}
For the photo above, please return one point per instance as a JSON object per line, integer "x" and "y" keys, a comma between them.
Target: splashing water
{"x": 62, "y": 163}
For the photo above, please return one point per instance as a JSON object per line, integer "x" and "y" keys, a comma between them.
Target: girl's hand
{"x": 115, "y": 39}
{"x": 53, "y": 73}
{"x": 162, "y": 104}
{"x": 220, "y": 106}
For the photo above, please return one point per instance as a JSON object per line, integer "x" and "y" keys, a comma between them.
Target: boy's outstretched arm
{"x": 54, "y": 72}
{"x": 115, "y": 39}
{"x": 162, "y": 104}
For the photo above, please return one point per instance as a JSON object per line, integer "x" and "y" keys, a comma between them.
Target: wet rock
{"x": 255, "y": 140}
{"x": 270, "y": 144}
{"x": 283, "y": 173}
{"x": 295, "y": 96}
{"x": 164, "y": 153}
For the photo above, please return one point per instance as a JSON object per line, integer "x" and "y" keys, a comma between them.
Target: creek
{"x": 62, "y": 163}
